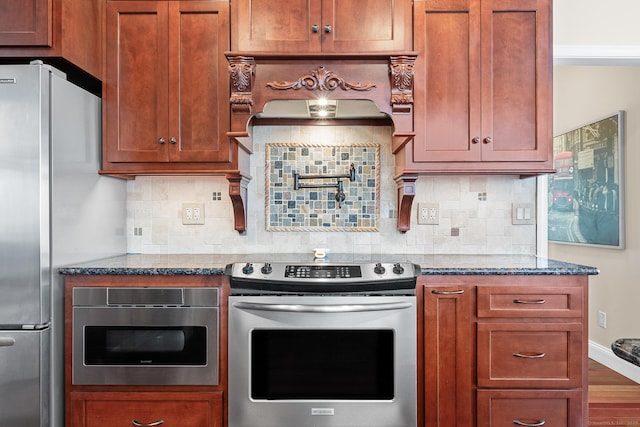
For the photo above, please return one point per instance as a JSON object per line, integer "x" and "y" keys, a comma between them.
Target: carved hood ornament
{"x": 321, "y": 79}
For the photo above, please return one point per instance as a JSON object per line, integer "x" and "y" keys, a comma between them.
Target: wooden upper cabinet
{"x": 166, "y": 89}
{"x": 25, "y": 22}
{"x": 328, "y": 26}
{"x": 483, "y": 85}
{"x": 68, "y": 29}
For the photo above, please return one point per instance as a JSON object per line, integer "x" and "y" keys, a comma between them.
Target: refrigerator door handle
{"x": 7, "y": 341}
{"x": 37, "y": 327}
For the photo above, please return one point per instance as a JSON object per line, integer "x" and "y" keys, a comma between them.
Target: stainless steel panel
{"x": 24, "y": 191}
{"x": 146, "y": 316}
{"x": 23, "y": 385}
{"x": 322, "y": 312}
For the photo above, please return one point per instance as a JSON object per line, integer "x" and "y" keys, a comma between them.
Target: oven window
{"x": 136, "y": 345}
{"x": 322, "y": 364}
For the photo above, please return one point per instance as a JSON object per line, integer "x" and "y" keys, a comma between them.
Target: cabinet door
{"x": 447, "y": 81}
{"x": 198, "y": 81}
{"x": 366, "y": 25}
{"x": 276, "y": 25}
{"x": 449, "y": 358}
{"x": 25, "y": 22}
{"x": 516, "y": 80}
{"x": 135, "y": 85}
{"x": 169, "y": 409}
{"x": 482, "y": 85}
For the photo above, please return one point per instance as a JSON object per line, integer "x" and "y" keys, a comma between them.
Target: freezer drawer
{"x": 23, "y": 382}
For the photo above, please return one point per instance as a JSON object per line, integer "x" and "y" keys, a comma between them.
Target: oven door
{"x": 322, "y": 361}
{"x": 145, "y": 345}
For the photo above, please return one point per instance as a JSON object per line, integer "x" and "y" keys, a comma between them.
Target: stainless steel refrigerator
{"x": 54, "y": 210}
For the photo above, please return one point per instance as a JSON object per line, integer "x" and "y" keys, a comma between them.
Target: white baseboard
{"x": 607, "y": 357}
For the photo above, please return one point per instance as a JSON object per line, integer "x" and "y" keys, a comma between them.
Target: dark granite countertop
{"x": 211, "y": 265}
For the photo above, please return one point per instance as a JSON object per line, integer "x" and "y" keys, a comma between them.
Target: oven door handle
{"x": 332, "y": 308}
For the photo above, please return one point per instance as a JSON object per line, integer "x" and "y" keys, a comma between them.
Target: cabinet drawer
{"x": 180, "y": 409}
{"x": 501, "y": 408}
{"x": 495, "y": 301}
{"x": 530, "y": 355}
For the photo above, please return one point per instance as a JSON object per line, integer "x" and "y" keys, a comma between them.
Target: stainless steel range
{"x": 322, "y": 344}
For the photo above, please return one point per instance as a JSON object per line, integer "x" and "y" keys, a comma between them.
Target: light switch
{"x": 522, "y": 214}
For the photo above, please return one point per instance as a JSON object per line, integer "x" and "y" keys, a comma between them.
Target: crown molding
{"x": 596, "y": 55}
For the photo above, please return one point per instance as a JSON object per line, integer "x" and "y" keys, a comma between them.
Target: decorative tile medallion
{"x": 316, "y": 209}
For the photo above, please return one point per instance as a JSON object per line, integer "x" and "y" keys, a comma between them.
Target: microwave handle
{"x": 337, "y": 308}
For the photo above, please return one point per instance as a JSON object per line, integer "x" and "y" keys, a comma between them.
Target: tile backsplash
{"x": 322, "y": 187}
{"x": 474, "y": 211}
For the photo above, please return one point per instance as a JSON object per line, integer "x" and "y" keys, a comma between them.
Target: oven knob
{"x": 248, "y": 268}
{"x": 379, "y": 269}
{"x": 266, "y": 268}
{"x": 397, "y": 268}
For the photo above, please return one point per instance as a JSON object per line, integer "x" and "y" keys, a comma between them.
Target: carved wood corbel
{"x": 406, "y": 185}
{"x": 241, "y": 73}
{"x": 238, "y": 192}
{"x": 402, "y": 77}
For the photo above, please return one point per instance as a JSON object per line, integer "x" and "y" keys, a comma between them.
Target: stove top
{"x": 322, "y": 277}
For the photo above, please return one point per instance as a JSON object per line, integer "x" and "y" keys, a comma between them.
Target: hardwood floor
{"x": 614, "y": 400}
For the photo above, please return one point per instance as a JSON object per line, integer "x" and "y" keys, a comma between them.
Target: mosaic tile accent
{"x": 315, "y": 209}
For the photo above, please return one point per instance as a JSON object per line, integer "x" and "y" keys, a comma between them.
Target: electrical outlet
{"x": 428, "y": 213}
{"x": 602, "y": 319}
{"x": 193, "y": 213}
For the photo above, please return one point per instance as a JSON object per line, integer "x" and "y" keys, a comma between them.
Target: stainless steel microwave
{"x": 145, "y": 336}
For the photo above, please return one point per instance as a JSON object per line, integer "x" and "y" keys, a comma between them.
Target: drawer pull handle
{"x": 533, "y": 424}
{"x": 139, "y": 424}
{"x": 531, "y": 355}
{"x": 525, "y": 301}
{"x": 458, "y": 292}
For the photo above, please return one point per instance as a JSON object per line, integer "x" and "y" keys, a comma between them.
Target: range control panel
{"x": 322, "y": 272}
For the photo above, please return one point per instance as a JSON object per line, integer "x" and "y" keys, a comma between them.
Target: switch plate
{"x": 193, "y": 213}
{"x": 522, "y": 213}
{"x": 428, "y": 213}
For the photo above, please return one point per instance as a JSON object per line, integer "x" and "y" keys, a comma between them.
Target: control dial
{"x": 379, "y": 269}
{"x": 266, "y": 268}
{"x": 397, "y": 268}
{"x": 248, "y": 268}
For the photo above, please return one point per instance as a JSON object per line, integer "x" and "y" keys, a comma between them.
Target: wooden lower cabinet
{"x": 505, "y": 350}
{"x": 449, "y": 354}
{"x": 168, "y": 409}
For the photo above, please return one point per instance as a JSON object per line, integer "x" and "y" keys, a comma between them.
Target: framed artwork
{"x": 586, "y": 192}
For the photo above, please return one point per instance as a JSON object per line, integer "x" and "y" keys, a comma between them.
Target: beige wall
{"x": 582, "y": 94}
{"x": 596, "y": 22}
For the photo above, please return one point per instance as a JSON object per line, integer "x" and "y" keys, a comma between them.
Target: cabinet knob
{"x": 172, "y": 140}
{"x": 315, "y": 28}
{"x": 327, "y": 28}
{"x": 475, "y": 139}
{"x": 161, "y": 141}
{"x": 488, "y": 140}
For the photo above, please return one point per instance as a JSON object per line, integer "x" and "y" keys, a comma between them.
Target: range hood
{"x": 367, "y": 88}
{"x": 321, "y": 109}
